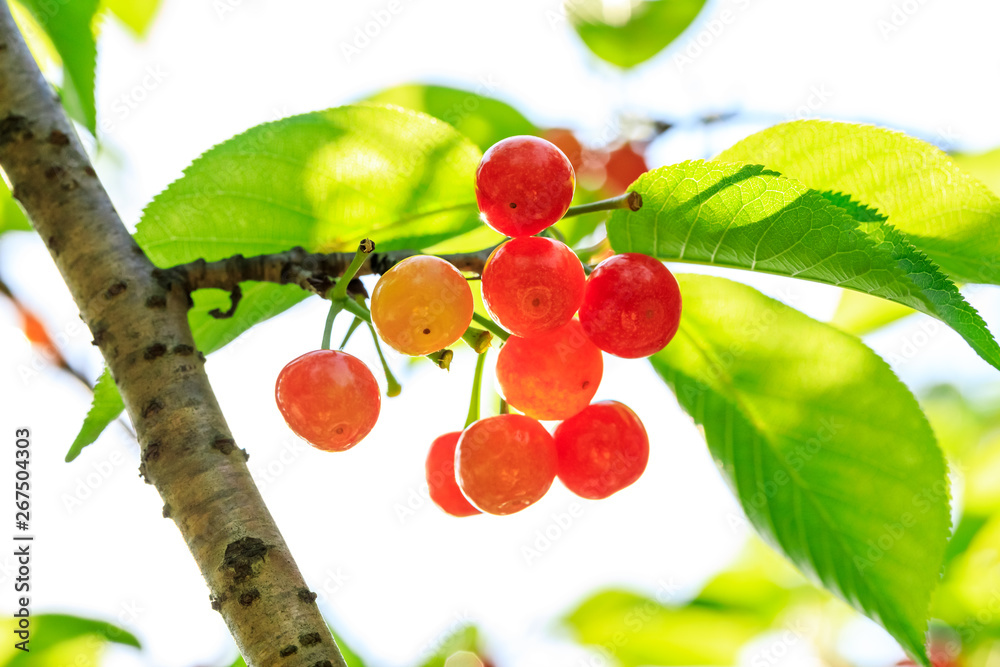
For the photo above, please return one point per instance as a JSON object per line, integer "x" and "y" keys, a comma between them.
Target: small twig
{"x": 235, "y": 294}
{"x": 629, "y": 200}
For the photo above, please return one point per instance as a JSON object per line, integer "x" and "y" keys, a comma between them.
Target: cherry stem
{"x": 477, "y": 384}
{"x": 554, "y": 233}
{"x": 504, "y": 408}
{"x": 350, "y": 331}
{"x": 442, "y": 358}
{"x": 478, "y": 339}
{"x": 629, "y": 200}
{"x": 490, "y": 326}
{"x": 339, "y": 290}
{"x": 335, "y": 308}
{"x": 393, "y": 387}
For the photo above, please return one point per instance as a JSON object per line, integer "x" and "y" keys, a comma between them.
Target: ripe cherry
{"x": 421, "y": 305}
{"x": 532, "y": 285}
{"x": 523, "y": 185}
{"x": 441, "y": 482}
{"x": 601, "y": 450}
{"x": 550, "y": 376}
{"x": 625, "y": 164}
{"x": 631, "y": 306}
{"x": 505, "y": 463}
{"x": 329, "y": 398}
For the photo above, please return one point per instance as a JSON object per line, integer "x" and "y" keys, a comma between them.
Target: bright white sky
{"x": 395, "y": 587}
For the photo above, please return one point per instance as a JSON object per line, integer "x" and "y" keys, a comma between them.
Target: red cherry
{"x": 601, "y": 450}
{"x": 505, "y": 463}
{"x": 523, "y": 185}
{"x": 329, "y": 398}
{"x": 550, "y": 376}
{"x": 532, "y": 285}
{"x": 567, "y": 142}
{"x": 631, "y": 306}
{"x": 625, "y": 164}
{"x": 441, "y": 482}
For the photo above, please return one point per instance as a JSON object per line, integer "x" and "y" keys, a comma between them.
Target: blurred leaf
{"x": 967, "y": 529}
{"x": 983, "y": 166}
{"x": 322, "y": 180}
{"x": 826, "y": 450}
{"x": 136, "y": 14}
{"x": 104, "y": 409}
{"x": 12, "y": 218}
{"x": 58, "y": 640}
{"x": 629, "y": 33}
{"x": 942, "y": 210}
{"x": 464, "y": 639}
{"x": 860, "y": 314}
{"x": 967, "y": 599}
{"x": 68, "y": 25}
{"x": 484, "y": 120}
{"x": 746, "y": 217}
{"x": 641, "y": 631}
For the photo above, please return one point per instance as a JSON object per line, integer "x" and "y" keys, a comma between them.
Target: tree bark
{"x": 139, "y": 322}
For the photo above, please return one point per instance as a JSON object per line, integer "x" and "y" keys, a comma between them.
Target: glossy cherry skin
{"x": 328, "y": 398}
{"x": 631, "y": 306}
{"x": 601, "y": 450}
{"x": 532, "y": 285}
{"x": 523, "y": 185}
{"x": 505, "y": 463}
{"x": 421, "y": 305}
{"x": 441, "y": 482}
{"x": 550, "y": 376}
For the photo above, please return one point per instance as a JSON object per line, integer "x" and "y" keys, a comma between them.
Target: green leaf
{"x": 747, "y": 217}
{"x": 68, "y": 25}
{"x": 484, "y": 120}
{"x": 106, "y": 407}
{"x": 826, "y": 450}
{"x": 645, "y": 632}
{"x": 982, "y": 166}
{"x": 59, "y": 639}
{"x": 12, "y": 218}
{"x": 136, "y": 14}
{"x": 861, "y": 314}
{"x": 627, "y": 34}
{"x": 463, "y": 639}
{"x": 942, "y": 210}
{"x": 322, "y": 180}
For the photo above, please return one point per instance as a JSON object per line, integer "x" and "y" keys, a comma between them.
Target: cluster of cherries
{"x": 549, "y": 368}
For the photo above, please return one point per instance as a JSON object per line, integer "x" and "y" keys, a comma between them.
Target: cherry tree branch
{"x": 140, "y": 326}
{"x": 314, "y": 272}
